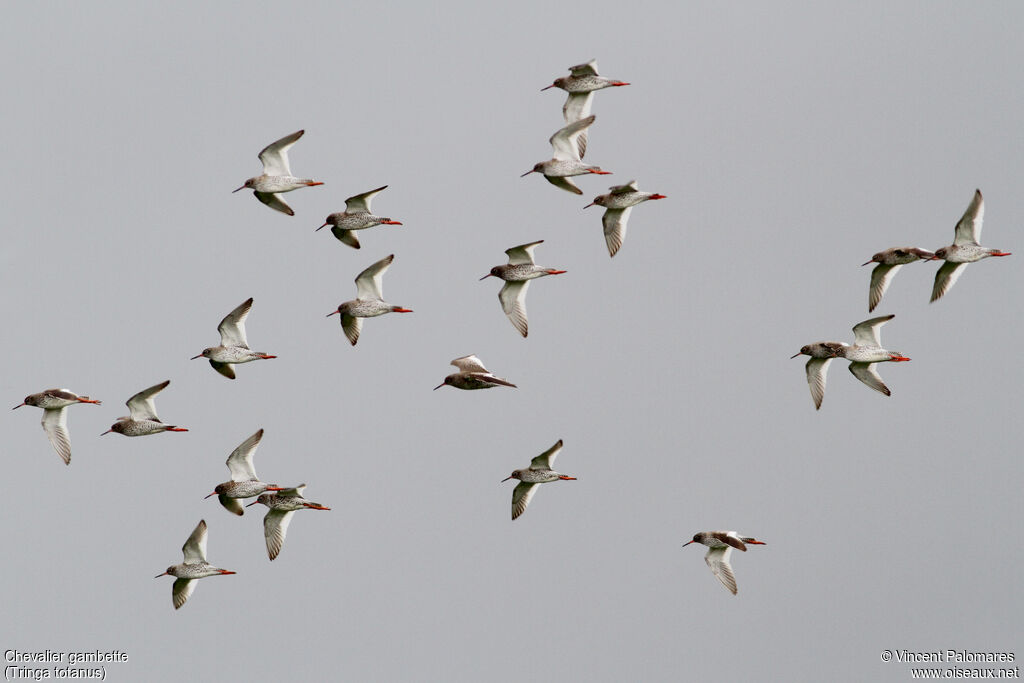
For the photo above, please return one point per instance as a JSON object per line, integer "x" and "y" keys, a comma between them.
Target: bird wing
{"x": 293, "y": 492}
{"x": 881, "y": 276}
{"x": 718, "y": 561}
{"x": 360, "y": 203}
{"x": 141, "y": 404}
{"x": 275, "y": 526}
{"x": 614, "y": 221}
{"x": 469, "y": 364}
{"x": 346, "y": 236}
{"x": 55, "y": 424}
{"x": 181, "y": 590}
{"x": 867, "y": 373}
{"x": 546, "y": 460}
{"x": 625, "y": 188}
{"x": 275, "y": 155}
{"x": 522, "y": 254}
{"x": 563, "y": 142}
{"x": 586, "y": 69}
{"x": 867, "y": 333}
{"x": 521, "y": 496}
{"x": 968, "y": 230}
{"x": 232, "y": 327}
{"x": 564, "y": 183}
{"x": 513, "y": 301}
{"x": 945, "y": 277}
{"x": 232, "y": 505}
{"x": 577, "y": 107}
{"x": 351, "y": 326}
{"x": 195, "y": 547}
{"x": 368, "y": 282}
{"x": 816, "y": 371}
{"x": 240, "y": 461}
{"x": 226, "y": 369}
{"x": 274, "y": 201}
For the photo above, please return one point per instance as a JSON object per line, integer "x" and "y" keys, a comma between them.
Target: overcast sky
{"x": 793, "y": 140}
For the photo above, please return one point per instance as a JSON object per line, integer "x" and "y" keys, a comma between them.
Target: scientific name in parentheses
{"x": 952, "y": 656}
{"x": 60, "y": 656}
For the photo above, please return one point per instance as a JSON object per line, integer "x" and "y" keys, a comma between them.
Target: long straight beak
{"x": 194, "y": 357}
{"x": 795, "y": 355}
{"x": 589, "y": 205}
{"x": 527, "y": 173}
{"x": 107, "y": 432}
{"x": 505, "y": 479}
{"x": 159, "y": 575}
{"x": 864, "y": 264}
{"x": 252, "y": 503}
{"x": 550, "y": 86}
{"x": 439, "y": 386}
{"x": 331, "y": 313}
{"x": 18, "y": 406}
{"x": 322, "y": 226}
{"x": 483, "y": 278}
{"x": 212, "y": 494}
{"x": 241, "y": 188}
{"x": 687, "y": 543}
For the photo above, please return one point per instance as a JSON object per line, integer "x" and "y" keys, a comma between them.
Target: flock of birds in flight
{"x": 866, "y": 350}
{"x": 569, "y": 145}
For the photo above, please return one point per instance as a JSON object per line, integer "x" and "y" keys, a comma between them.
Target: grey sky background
{"x": 793, "y": 142}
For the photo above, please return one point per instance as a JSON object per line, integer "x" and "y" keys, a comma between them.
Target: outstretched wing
{"x": 521, "y": 496}
{"x": 275, "y": 526}
{"x": 513, "y": 302}
{"x": 968, "y": 229}
{"x": 522, "y": 254}
{"x": 546, "y": 460}
{"x": 232, "y": 327}
{"x": 867, "y": 373}
{"x": 275, "y": 155}
{"x": 194, "y": 549}
{"x": 141, "y": 404}
{"x": 614, "y": 221}
{"x": 718, "y": 561}
{"x": 274, "y": 201}
{"x": 368, "y": 282}
{"x": 240, "y": 461}
{"x": 360, "y": 203}
{"x": 867, "y": 333}
{"x": 881, "y": 276}
{"x": 816, "y": 371}
{"x": 55, "y": 424}
{"x": 945, "y": 277}
{"x": 563, "y": 142}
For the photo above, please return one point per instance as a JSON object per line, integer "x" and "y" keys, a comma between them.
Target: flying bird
{"x": 244, "y": 483}
{"x": 55, "y": 417}
{"x": 472, "y": 375}
{"x": 517, "y": 275}
{"x": 233, "y": 346}
{"x": 356, "y": 216}
{"x": 369, "y": 301}
{"x": 581, "y": 85}
{"x": 539, "y": 472}
{"x": 720, "y": 545}
{"x": 618, "y": 203}
{"x": 194, "y": 567}
{"x": 965, "y": 248}
{"x": 282, "y": 504}
{"x": 889, "y": 262}
{"x": 277, "y": 176}
{"x": 566, "y": 160}
{"x": 143, "y": 420}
